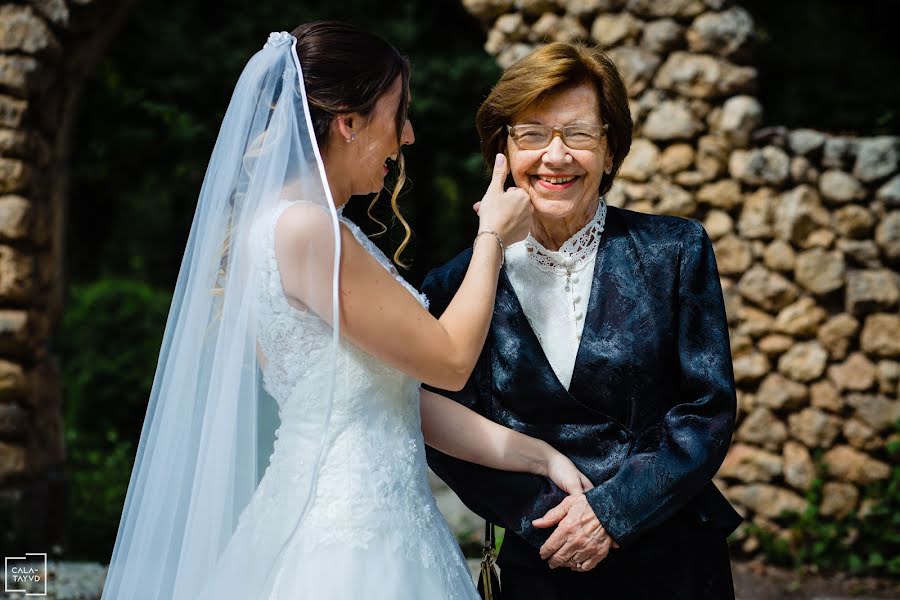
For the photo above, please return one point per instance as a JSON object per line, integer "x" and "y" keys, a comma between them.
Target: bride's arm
{"x": 380, "y": 315}
{"x": 464, "y": 434}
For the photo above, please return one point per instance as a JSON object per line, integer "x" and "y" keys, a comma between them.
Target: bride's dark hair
{"x": 346, "y": 70}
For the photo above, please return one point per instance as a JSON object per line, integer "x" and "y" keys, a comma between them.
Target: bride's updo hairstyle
{"x": 346, "y": 70}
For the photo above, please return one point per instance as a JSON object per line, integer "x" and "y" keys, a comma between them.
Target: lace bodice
{"x": 295, "y": 341}
{"x": 372, "y": 484}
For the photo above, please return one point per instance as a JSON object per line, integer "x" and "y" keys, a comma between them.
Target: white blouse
{"x": 553, "y": 289}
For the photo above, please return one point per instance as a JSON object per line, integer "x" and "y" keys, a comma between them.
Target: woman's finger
{"x": 589, "y": 564}
{"x": 501, "y": 170}
{"x": 562, "y": 556}
{"x": 553, "y": 544}
{"x": 579, "y": 558}
{"x": 553, "y": 516}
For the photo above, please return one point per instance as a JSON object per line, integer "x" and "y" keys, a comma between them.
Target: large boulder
{"x": 704, "y": 76}
{"x": 849, "y": 464}
{"x": 727, "y": 33}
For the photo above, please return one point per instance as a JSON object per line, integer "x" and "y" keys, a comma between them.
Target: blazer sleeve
{"x": 672, "y": 461}
{"x": 510, "y": 500}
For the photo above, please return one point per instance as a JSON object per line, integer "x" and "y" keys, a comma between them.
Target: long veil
{"x": 196, "y": 466}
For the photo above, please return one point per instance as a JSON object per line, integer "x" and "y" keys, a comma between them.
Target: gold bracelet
{"x": 499, "y": 241}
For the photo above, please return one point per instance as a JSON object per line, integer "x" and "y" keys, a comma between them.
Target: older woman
{"x": 609, "y": 341}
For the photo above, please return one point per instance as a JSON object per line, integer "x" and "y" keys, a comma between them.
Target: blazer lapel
{"x": 594, "y": 378}
{"x": 522, "y": 375}
{"x": 518, "y": 358}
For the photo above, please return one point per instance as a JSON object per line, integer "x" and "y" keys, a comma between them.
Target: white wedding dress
{"x": 373, "y": 530}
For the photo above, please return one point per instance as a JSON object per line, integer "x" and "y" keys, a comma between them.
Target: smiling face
{"x": 376, "y": 141}
{"x": 563, "y": 183}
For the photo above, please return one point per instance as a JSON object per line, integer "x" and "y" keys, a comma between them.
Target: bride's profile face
{"x": 376, "y": 142}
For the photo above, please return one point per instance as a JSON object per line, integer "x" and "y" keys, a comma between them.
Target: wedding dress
{"x": 373, "y": 530}
{"x": 342, "y": 509}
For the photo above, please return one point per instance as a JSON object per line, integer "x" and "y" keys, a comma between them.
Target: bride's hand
{"x": 565, "y": 474}
{"x": 505, "y": 212}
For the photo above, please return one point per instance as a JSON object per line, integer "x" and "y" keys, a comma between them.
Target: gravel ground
{"x": 753, "y": 581}
{"x": 756, "y": 581}
{"x": 67, "y": 581}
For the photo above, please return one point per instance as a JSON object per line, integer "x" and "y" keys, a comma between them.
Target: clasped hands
{"x": 580, "y": 542}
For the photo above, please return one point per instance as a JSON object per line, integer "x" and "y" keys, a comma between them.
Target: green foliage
{"x": 858, "y": 544}
{"x": 150, "y": 114}
{"x": 109, "y": 343}
{"x": 98, "y": 479}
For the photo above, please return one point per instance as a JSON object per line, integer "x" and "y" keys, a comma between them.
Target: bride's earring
{"x": 351, "y": 138}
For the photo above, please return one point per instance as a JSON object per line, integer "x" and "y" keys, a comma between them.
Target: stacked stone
{"x": 38, "y": 87}
{"x": 809, "y": 273}
{"x": 806, "y": 228}
{"x": 30, "y": 420}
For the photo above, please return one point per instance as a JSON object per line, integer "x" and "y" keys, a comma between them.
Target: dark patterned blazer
{"x": 650, "y": 411}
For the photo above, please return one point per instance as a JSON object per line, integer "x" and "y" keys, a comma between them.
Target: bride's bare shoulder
{"x": 305, "y": 222}
{"x": 306, "y": 225}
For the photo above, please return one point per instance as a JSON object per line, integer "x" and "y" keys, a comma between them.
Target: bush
{"x": 109, "y": 343}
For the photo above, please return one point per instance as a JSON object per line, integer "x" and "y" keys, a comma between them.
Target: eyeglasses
{"x": 537, "y": 137}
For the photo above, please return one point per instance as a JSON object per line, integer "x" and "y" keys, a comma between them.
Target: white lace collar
{"x": 575, "y": 253}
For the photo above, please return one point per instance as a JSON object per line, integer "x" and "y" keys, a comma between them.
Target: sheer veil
{"x": 196, "y": 466}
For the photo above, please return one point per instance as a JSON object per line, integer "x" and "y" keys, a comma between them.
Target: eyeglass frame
{"x": 559, "y": 131}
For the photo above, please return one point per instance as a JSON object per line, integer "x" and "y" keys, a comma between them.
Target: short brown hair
{"x": 547, "y": 70}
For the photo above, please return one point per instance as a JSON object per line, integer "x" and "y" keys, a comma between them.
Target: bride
{"x": 280, "y": 295}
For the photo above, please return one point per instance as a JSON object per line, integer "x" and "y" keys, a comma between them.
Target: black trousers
{"x": 681, "y": 559}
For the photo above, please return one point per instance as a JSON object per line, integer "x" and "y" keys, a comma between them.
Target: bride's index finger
{"x": 501, "y": 170}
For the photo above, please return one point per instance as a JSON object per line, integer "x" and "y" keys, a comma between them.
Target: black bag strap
{"x": 490, "y": 541}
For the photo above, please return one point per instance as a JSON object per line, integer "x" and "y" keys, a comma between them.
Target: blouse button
{"x": 576, "y": 299}
{"x": 568, "y": 261}
{"x": 578, "y": 316}
{"x": 574, "y": 278}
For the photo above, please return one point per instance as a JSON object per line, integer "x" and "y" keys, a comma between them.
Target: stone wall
{"x": 46, "y": 48}
{"x": 806, "y": 228}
